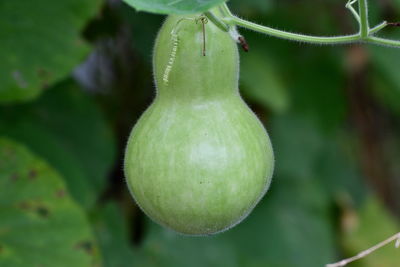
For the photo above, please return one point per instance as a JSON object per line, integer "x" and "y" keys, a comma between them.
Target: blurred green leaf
{"x": 261, "y": 83}
{"x": 338, "y": 170}
{"x": 113, "y": 235}
{"x": 371, "y": 225}
{"x": 386, "y": 60}
{"x": 143, "y": 37}
{"x": 40, "y": 44}
{"x": 386, "y": 78}
{"x": 252, "y": 6}
{"x": 165, "y": 248}
{"x": 173, "y": 6}
{"x": 297, "y": 145}
{"x": 40, "y": 225}
{"x": 290, "y": 227}
{"x": 67, "y": 129}
{"x": 317, "y": 85}
{"x": 304, "y": 151}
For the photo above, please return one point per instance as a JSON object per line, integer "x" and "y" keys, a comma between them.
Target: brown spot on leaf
{"x": 25, "y": 205}
{"x": 86, "y": 246}
{"x": 79, "y": 43}
{"x": 32, "y": 174}
{"x": 36, "y": 208}
{"x": 42, "y": 211}
{"x": 14, "y": 177}
{"x": 42, "y": 73}
{"x": 8, "y": 152}
{"x": 60, "y": 193}
{"x": 44, "y": 77}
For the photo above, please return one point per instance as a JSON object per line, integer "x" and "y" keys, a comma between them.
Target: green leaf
{"x": 261, "y": 83}
{"x": 371, "y": 225}
{"x": 250, "y": 7}
{"x": 173, "y": 6}
{"x": 67, "y": 129}
{"x": 113, "y": 236}
{"x": 386, "y": 79}
{"x": 40, "y": 225}
{"x": 386, "y": 60}
{"x": 40, "y": 44}
{"x": 294, "y": 158}
{"x": 317, "y": 76}
{"x": 164, "y": 248}
{"x": 320, "y": 156}
{"x": 295, "y": 212}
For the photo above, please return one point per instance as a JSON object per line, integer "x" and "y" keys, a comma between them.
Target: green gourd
{"x": 198, "y": 160}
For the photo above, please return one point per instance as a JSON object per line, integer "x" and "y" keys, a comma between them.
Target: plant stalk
{"x": 365, "y": 35}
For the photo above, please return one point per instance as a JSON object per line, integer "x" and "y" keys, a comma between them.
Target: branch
{"x": 294, "y": 36}
{"x": 350, "y": 7}
{"x": 365, "y": 35}
{"x": 368, "y": 251}
{"x": 364, "y": 24}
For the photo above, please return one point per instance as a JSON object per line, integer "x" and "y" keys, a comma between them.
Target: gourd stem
{"x": 219, "y": 23}
{"x": 225, "y": 9}
{"x": 365, "y": 35}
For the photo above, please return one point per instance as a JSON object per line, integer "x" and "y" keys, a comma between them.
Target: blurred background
{"x": 75, "y": 76}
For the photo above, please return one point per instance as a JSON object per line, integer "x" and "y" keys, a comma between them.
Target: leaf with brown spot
{"x": 32, "y": 174}
{"x": 67, "y": 129}
{"x": 40, "y": 229}
{"x": 60, "y": 193}
{"x": 14, "y": 177}
{"x": 86, "y": 246}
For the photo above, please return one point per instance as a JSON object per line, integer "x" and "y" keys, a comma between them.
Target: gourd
{"x": 198, "y": 160}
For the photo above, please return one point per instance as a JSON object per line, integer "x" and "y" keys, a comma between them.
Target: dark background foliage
{"x": 75, "y": 76}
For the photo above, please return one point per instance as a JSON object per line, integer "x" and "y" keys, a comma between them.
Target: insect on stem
{"x": 243, "y": 43}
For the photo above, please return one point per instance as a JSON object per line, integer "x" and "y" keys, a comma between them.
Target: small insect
{"x": 239, "y": 39}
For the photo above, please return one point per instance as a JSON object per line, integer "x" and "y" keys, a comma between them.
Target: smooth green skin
{"x": 198, "y": 160}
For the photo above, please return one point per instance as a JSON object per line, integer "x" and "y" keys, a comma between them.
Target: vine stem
{"x": 364, "y": 24}
{"x": 365, "y": 35}
{"x": 293, "y": 36}
{"x": 350, "y": 7}
{"x": 364, "y": 253}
